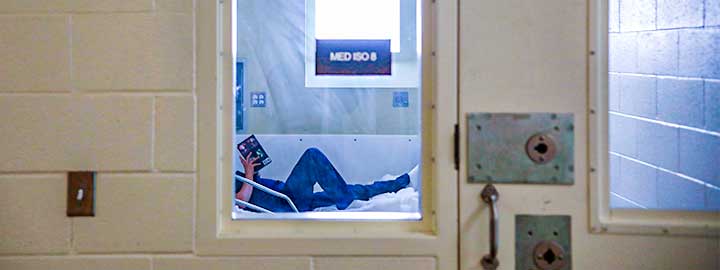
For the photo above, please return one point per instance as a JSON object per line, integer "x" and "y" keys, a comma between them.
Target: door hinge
{"x": 456, "y": 147}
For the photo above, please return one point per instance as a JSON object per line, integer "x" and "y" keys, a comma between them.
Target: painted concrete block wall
{"x": 108, "y": 86}
{"x": 665, "y": 104}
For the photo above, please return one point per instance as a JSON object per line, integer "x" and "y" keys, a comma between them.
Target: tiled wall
{"x": 108, "y": 86}
{"x": 665, "y": 104}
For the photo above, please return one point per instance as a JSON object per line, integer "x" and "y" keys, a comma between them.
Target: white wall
{"x": 108, "y": 85}
{"x": 271, "y": 41}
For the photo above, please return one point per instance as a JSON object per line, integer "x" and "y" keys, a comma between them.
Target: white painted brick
{"x": 614, "y": 88}
{"x": 175, "y": 133}
{"x": 712, "y": 12}
{"x": 650, "y": 136}
{"x": 64, "y": 133}
{"x": 623, "y": 135}
{"x": 637, "y": 15}
{"x": 34, "y": 53}
{"x": 713, "y": 200}
{"x": 623, "y": 52}
{"x": 680, "y": 101}
{"x": 658, "y": 52}
{"x": 256, "y": 263}
{"x": 75, "y": 263}
{"x": 679, "y": 13}
{"x": 183, "y": 6}
{"x": 138, "y": 213}
{"x": 699, "y": 55}
{"x": 32, "y": 216}
{"x": 676, "y": 193}
{"x": 712, "y": 105}
{"x": 614, "y": 15}
{"x": 699, "y": 156}
{"x": 638, "y": 95}
{"x": 637, "y": 182}
{"x": 368, "y": 263}
{"x": 20, "y": 6}
{"x": 133, "y": 51}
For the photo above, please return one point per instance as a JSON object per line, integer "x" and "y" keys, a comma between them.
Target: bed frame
{"x": 266, "y": 190}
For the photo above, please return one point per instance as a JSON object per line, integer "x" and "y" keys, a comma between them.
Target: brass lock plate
{"x": 528, "y": 148}
{"x": 543, "y": 242}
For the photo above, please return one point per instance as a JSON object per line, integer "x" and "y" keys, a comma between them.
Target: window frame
{"x": 603, "y": 219}
{"x": 217, "y": 234}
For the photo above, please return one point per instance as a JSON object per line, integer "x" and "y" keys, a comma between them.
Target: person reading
{"x": 312, "y": 167}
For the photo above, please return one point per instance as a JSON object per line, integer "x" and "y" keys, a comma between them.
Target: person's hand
{"x": 249, "y": 164}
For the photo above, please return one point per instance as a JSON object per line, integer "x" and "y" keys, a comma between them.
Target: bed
{"x": 359, "y": 159}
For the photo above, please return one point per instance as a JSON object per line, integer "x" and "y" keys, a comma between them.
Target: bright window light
{"x": 358, "y": 19}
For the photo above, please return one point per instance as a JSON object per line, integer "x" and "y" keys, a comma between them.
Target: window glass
{"x": 348, "y": 148}
{"x": 369, "y": 19}
{"x": 664, "y": 106}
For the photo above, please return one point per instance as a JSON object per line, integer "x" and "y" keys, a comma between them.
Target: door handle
{"x": 490, "y": 196}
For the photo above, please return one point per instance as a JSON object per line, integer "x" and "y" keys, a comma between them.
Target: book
{"x": 253, "y": 147}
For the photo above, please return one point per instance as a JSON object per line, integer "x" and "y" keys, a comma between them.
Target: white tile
{"x": 75, "y": 133}
{"x": 255, "y": 263}
{"x": 133, "y": 51}
{"x": 34, "y": 53}
{"x": 75, "y": 263}
{"x": 175, "y": 133}
{"x": 32, "y": 216}
{"x": 138, "y": 213}
{"x": 20, "y": 6}
{"x": 369, "y": 263}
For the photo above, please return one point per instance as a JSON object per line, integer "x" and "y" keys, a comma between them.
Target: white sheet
{"x": 405, "y": 200}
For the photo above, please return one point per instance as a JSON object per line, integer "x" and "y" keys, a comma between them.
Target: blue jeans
{"x": 314, "y": 167}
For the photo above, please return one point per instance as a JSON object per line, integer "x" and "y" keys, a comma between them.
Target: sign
{"x": 353, "y": 57}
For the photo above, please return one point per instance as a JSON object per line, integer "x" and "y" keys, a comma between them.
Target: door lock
{"x": 543, "y": 242}
{"x": 541, "y": 148}
{"x": 549, "y": 255}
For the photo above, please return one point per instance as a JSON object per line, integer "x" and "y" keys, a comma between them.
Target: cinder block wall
{"x": 665, "y": 104}
{"x": 108, "y": 86}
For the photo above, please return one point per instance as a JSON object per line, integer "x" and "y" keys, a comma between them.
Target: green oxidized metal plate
{"x": 497, "y": 153}
{"x": 531, "y": 230}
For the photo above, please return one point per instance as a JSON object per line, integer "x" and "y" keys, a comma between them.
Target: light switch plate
{"x": 81, "y": 194}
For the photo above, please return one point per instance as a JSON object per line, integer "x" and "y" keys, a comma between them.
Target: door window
{"x": 331, "y": 110}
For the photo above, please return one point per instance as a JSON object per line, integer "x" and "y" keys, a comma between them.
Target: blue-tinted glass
{"x": 664, "y": 64}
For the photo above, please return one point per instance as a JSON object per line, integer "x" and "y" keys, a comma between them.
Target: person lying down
{"x": 312, "y": 167}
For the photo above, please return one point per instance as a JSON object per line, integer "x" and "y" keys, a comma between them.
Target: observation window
{"x": 329, "y": 96}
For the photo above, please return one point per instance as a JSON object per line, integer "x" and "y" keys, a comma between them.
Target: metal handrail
{"x": 268, "y": 191}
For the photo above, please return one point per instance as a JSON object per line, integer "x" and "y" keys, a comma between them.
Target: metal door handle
{"x": 490, "y": 196}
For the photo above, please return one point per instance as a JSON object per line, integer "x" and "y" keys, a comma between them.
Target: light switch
{"x": 81, "y": 194}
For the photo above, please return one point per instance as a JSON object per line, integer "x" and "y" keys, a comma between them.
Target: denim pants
{"x": 314, "y": 167}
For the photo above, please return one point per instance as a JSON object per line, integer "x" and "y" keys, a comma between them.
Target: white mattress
{"x": 406, "y": 200}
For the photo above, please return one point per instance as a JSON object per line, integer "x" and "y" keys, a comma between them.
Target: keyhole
{"x": 549, "y": 256}
{"x": 541, "y": 148}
